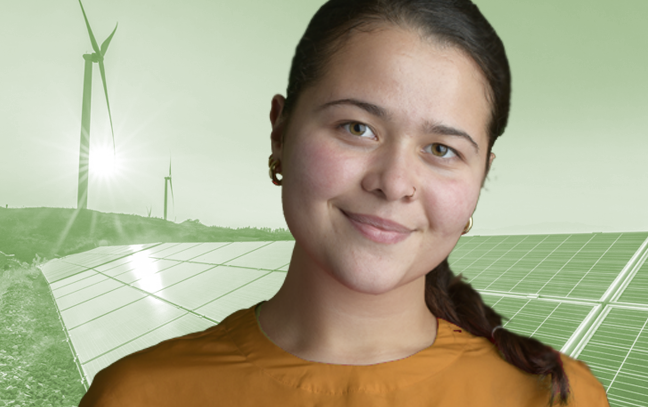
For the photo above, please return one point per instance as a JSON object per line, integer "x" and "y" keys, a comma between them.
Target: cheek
{"x": 319, "y": 170}
{"x": 450, "y": 202}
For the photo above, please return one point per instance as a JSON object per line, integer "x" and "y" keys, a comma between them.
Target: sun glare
{"x": 103, "y": 162}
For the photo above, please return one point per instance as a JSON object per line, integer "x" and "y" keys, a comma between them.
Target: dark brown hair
{"x": 460, "y": 24}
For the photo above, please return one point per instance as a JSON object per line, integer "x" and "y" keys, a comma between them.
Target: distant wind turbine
{"x": 168, "y": 183}
{"x": 84, "y": 151}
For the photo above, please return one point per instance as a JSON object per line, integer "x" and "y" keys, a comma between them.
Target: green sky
{"x": 195, "y": 79}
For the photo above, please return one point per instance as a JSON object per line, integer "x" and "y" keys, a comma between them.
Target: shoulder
{"x": 585, "y": 388}
{"x": 140, "y": 376}
{"x": 484, "y": 368}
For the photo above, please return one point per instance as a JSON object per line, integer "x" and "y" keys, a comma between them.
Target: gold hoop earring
{"x": 272, "y": 163}
{"x": 469, "y": 226}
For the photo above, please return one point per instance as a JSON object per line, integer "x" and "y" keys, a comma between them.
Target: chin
{"x": 370, "y": 282}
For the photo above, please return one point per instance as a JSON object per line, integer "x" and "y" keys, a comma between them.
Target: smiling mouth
{"x": 378, "y": 229}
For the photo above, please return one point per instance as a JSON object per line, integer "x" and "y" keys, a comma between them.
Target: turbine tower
{"x": 168, "y": 183}
{"x": 84, "y": 150}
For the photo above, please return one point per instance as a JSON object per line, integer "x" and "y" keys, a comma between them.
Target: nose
{"x": 391, "y": 173}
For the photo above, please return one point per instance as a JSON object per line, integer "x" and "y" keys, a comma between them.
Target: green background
{"x": 195, "y": 79}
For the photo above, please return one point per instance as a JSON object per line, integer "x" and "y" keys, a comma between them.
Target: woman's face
{"x": 393, "y": 114}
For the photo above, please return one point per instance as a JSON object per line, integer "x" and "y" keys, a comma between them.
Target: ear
{"x": 278, "y": 125}
{"x": 490, "y": 163}
{"x": 490, "y": 160}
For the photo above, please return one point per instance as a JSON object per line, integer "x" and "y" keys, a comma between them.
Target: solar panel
{"x": 99, "y": 306}
{"x": 173, "y": 249}
{"x": 550, "y": 321}
{"x": 56, "y": 270}
{"x": 180, "y": 326}
{"x": 243, "y": 297}
{"x": 159, "y": 248}
{"x": 636, "y": 291}
{"x": 72, "y": 279}
{"x": 204, "y": 287}
{"x": 578, "y": 266}
{"x": 268, "y": 257}
{"x": 617, "y": 353}
{"x": 142, "y": 267}
{"x": 88, "y": 293}
{"x": 92, "y": 259}
{"x": 112, "y": 330}
{"x": 92, "y": 279}
{"x": 196, "y": 251}
{"x": 105, "y": 254}
{"x": 170, "y": 276}
{"x": 229, "y": 252}
{"x": 114, "y": 264}
{"x": 565, "y": 290}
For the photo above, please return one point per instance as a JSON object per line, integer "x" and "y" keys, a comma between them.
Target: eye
{"x": 358, "y": 129}
{"x": 442, "y": 151}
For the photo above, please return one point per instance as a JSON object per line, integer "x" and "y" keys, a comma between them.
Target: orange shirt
{"x": 235, "y": 364}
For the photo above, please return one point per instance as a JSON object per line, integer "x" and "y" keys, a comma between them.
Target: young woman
{"x": 383, "y": 143}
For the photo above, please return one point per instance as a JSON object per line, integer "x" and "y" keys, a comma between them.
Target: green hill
{"x": 58, "y": 232}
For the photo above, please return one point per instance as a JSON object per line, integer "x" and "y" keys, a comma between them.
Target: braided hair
{"x": 451, "y": 298}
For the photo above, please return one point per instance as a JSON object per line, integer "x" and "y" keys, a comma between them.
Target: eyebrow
{"x": 432, "y": 127}
{"x": 438, "y": 128}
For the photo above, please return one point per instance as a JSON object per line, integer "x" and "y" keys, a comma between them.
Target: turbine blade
{"x": 104, "y": 46}
{"x": 169, "y": 167}
{"x": 103, "y": 79}
{"x": 95, "y": 47}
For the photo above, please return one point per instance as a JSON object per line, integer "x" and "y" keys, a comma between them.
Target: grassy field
{"x": 36, "y": 365}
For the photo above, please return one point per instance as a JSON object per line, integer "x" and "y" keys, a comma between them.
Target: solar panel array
{"x": 585, "y": 294}
{"x": 127, "y": 298}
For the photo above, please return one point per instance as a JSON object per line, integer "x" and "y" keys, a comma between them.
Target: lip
{"x": 378, "y": 229}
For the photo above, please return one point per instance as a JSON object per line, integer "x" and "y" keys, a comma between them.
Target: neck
{"x": 316, "y": 318}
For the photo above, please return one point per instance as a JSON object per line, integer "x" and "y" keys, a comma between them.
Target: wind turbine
{"x": 84, "y": 151}
{"x": 168, "y": 183}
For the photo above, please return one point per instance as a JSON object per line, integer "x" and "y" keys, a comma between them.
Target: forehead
{"x": 415, "y": 78}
